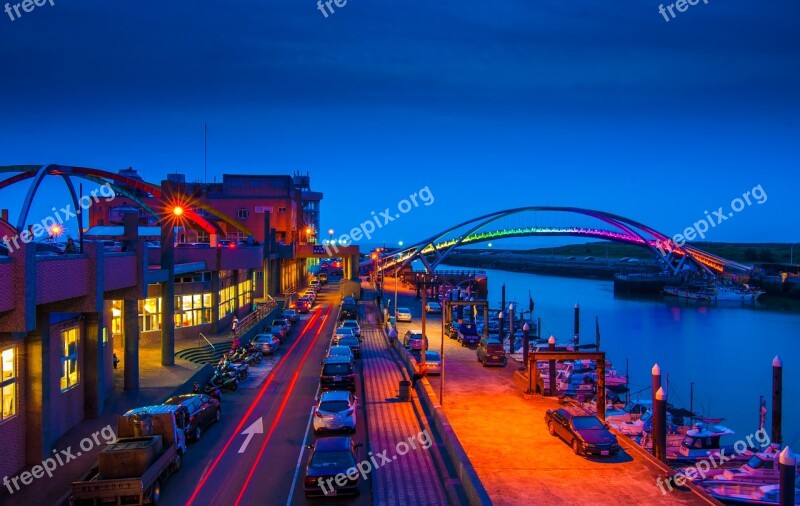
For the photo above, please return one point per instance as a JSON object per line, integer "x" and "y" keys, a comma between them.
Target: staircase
{"x": 205, "y": 354}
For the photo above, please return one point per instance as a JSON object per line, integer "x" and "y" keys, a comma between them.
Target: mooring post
{"x": 777, "y": 399}
{"x": 552, "y": 347}
{"x": 660, "y": 426}
{"x": 788, "y": 463}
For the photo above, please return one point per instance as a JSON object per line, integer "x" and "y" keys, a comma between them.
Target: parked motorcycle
{"x": 241, "y": 370}
{"x": 210, "y": 390}
{"x": 224, "y": 380}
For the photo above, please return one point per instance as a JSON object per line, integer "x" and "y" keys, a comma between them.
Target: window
{"x": 192, "y": 309}
{"x": 243, "y": 214}
{"x": 8, "y": 384}
{"x": 69, "y": 358}
{"x": 116, "y": 318}
{"x": 245, "y": 293}
{"x": 150, "y": 314}
{"x": 281, "y": 209}
{"x": 227, "y": 301}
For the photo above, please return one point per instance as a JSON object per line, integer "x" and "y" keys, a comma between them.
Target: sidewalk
{"x": 411, "y": 478}
{"x": 156, "y": 383}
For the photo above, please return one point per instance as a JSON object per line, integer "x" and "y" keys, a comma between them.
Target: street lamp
{"x": 400, "y": 243}
{"x": 500, "y": 318}
{"x": 330, "y": 233}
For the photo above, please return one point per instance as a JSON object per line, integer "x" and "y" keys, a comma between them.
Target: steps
{"x": 204, "y": 354}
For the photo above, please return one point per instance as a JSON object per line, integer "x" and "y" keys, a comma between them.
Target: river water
{"x": 726, "y": 350}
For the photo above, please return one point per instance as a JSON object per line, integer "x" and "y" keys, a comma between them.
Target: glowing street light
{"x": 400, "y": 243}
{"x": 56, "y": 230}
{"x": 177, "y": 211}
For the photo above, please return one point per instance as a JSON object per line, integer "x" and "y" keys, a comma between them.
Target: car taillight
{"x": 310, "y": 481}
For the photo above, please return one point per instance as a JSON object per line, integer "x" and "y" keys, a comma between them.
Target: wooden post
{"x": 788, "y": 463}
{"x": 660, "y": 426}
{"x": 552, "y": 347}
{"x": 777, "y": 399}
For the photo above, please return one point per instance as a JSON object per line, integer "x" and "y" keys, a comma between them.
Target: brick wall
{"x": 12, "y": 431}
{"x": 61, "y": 279}
{"x": 120, "y": 272}
{"x": 6, "y": 287}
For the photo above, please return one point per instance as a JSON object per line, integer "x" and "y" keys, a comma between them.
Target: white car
{"x": 433, "y": 308}
{"x": 434, "y": 362}
{"x": 336, "y": 411}
{"x": 403, "y": 314}
{"x": 353, "y": 324}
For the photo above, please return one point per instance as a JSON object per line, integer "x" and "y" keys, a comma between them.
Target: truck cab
{"x": 468, "y": 334}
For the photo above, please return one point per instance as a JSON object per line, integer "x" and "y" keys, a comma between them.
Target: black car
{"x": 586, "y": 433}
{"x": 200, "y": 412}
{"x": 331, "y": 457}
{"x": 353, "y": 343}
{"x": 338, "y": 373}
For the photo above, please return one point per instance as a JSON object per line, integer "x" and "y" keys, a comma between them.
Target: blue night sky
{"x": 490, "y": 105}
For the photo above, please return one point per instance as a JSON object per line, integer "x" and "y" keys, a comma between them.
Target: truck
{"x": 149, "y": 448}
{"x": 468, "y": 334}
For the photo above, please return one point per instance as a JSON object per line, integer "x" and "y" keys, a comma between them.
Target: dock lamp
{"x": 500, "y": 319}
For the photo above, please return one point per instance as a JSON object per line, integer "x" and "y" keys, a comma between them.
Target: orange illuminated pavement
{"x": 507, "y": 441}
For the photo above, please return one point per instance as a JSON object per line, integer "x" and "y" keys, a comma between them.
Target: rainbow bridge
{"x": 611, "y": 227}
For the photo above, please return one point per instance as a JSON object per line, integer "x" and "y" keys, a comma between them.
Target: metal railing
{"x": 250, "y": 320}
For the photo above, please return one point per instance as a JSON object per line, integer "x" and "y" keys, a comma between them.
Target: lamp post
{"x": 500, "y": 319}
{"x": 330, "y": 234}
{"x": 552, "y": 363}
{"x": 526, "y": 341}
{"x": 396, "y": 274}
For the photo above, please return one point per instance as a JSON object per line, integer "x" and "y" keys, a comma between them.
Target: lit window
{"x": 8, "y": 385}
{"x": 69, "y": 358}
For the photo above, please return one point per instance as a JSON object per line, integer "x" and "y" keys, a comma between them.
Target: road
{"x": 219, "y": 470}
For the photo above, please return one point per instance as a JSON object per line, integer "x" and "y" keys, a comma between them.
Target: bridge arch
{"x": 26, "y": 172}
{"x": 623, "y": 230}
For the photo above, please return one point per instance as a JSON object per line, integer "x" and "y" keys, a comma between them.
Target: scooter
{"x": 210, "y": 390}
{"x": 224, "y": 380}
{"x": 239, "y": 369}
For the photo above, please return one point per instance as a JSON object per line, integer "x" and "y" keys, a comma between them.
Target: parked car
{"x": 283, "y": 322}
{"x": 434, "y": 362}
{"x": 491, "y": 352}
{"x": 292, "y": 315}
{"x": 349, "y": 309}
{"x": 433, "y": 308}
{"x": 338, "y": 373}
{"x": 584, "y": 432}
{"x": 403, "y": 314}
{"x": 353, "y": 343}
{"x": 336, "y": 411}
{"x": 413, "y": 340}
{"x": 468, "y": 334}
{"x": 340, "y": 333}
{"x": 267, "y": 343}
{"x": 331, "y": 456}
{"x": 353, "y": 324}
{"x": 340, "y": 351}
{"x": 201, "y": 411}
{"x": 276, "y": 330}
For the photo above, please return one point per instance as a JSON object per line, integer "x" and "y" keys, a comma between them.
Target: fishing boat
{"x": 714, "y": 292}
{"x": 762, "y": 468}
{"x": 746, "y": 493}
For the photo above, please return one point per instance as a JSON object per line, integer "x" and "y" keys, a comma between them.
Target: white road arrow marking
{"x": 256, "y": 428}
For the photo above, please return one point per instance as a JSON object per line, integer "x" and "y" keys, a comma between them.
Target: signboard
{"x": 318, "y": 250}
